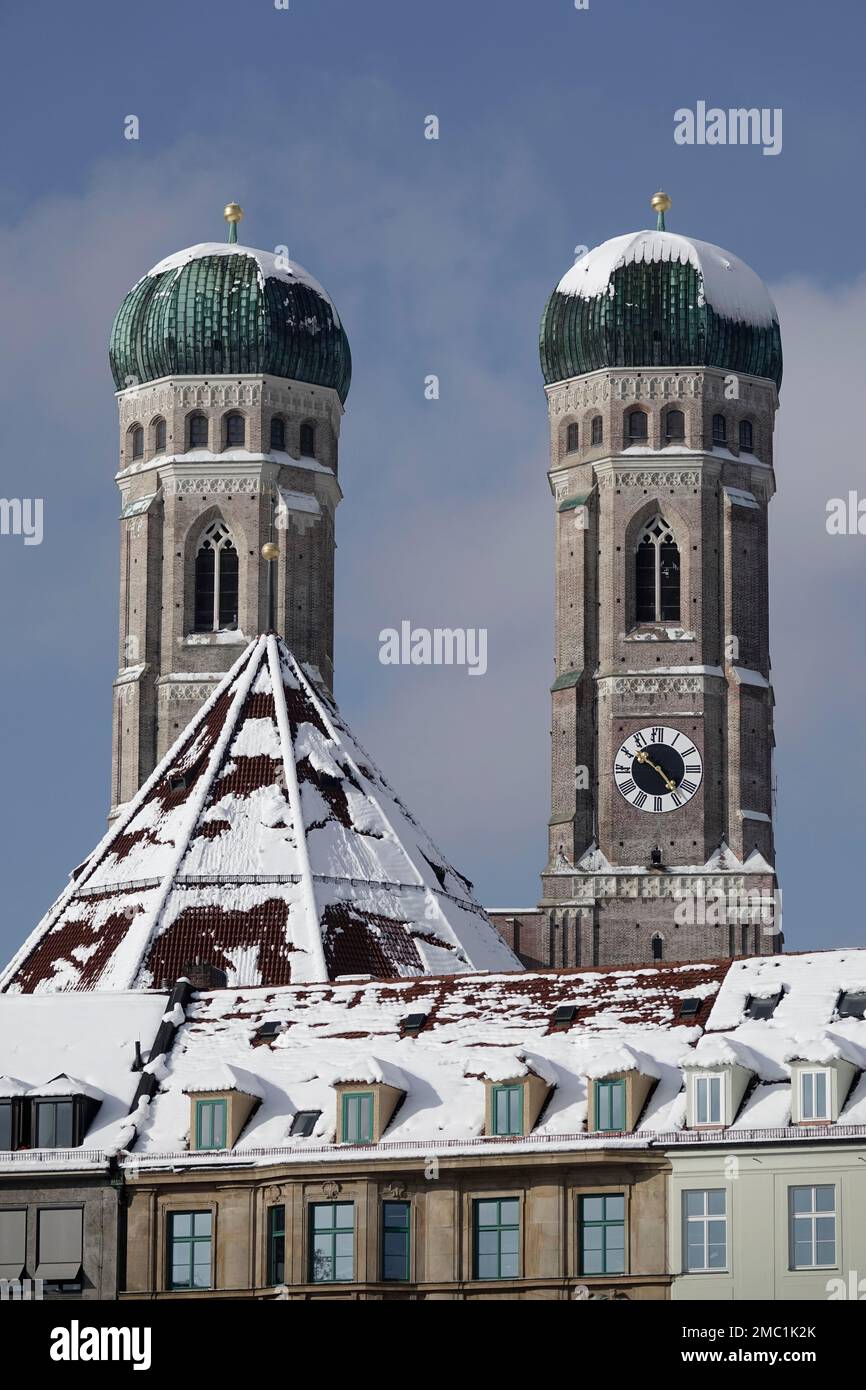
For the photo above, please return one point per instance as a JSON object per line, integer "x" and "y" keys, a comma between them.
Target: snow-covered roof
{"x": 75, "y": 1044}
{"x": 271, "y": 264}
{"x": 268, "y": 845}
{"x": 730, "y": 287}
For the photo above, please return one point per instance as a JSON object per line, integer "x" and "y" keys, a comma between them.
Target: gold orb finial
{"x": 661, "y": 201}
{"x": 270, "y": 551}
{"x": 233, "y": 212}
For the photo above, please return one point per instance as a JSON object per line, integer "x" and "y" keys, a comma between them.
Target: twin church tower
{"x": 662, "y": 362}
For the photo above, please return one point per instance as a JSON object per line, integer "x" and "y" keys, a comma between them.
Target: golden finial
{"x": 660, "y": 202}
{"x": 270, "y": 551}
{"x": 233, "y": 212}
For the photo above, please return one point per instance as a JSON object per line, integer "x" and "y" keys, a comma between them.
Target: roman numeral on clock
{"x": 657, "y": 803}
{"x": 658, "y": 735}
{"x": 693, "y": 768}
{"x": 627, "y": 787}
{"x": 686, "y": 752}
{"x": 622, "y": 768}
{"x": 641, "y": 741}
{"x": 687, "y": 787}
{"x": 639, "y": 800}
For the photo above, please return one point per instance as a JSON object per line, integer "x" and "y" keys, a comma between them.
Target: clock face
{"x": 658, "y": 769}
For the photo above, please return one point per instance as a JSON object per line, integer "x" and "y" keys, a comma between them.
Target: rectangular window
{"x": 507, "y": 1104}
{"x": 395, "y": 1240}
{"x": 55, "y": 1124}
{"x": 705, "y": 1231}
{"x": 332, "y": 1242}
{"x": 708, "y": 1100}
{"x": 7, "y": 1139}
{"x": 813, "y": 1227}
{"x": 358, "y": 1118}
{"x": 210, "y": 1124}
{"x": 276, "y": 1245}
{"x": 602, "y": 1234}
{"x": 815, "y": 1095}
{"x": 13, "y": 1243}
{"x": 497, "y": 1238}
{"x": 190, "y": 1250}
{"x": 610, "y": 1105}
{"x": 59, "y": 1248}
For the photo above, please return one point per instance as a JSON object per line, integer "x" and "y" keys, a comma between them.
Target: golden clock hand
{"x": 643, "y": 757}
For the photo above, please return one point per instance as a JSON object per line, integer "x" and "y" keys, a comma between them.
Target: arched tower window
{"x": 308, "y": 439}
{"x": 137, "y": 441}
{"x": 571, "y": 439}
{"x": 637, "y": 425}
{"x": 278, "y": 432}
{"x": 657, "y": 574}
{"x": 675, "y": 427}
{"x": 216, "y": 580}
{"x": 720, "y": 430}
{"x": 746, "y": 436}
{"x": 658, "y": 945}
{"x": 198, "y": 431}
{"x": 597, "y": 430}
{"x": 236, "y": 431}
{"x": 159, "y": 435}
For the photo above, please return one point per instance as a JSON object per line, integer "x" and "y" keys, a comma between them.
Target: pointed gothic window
{"x": 216, "y": 581}
{"x": 308, "y": 439}
{"x": 137, "y": 440}
{"x": 746, "y": 436}
{"x": 236, "y": 431}
{"x": 720, "y": 430}
{"x": 278, "y": 433}
{"x": 198, "y": 432}
{"x": 675, "y": 427}
{"x": 658, "y": 945}
{"x": 637, "y": 425}
{"x": 657, "y": 574}
{"x": 159, "y": 435}
{"x": 597, "y": 430}
{"x": 571, "y": 439}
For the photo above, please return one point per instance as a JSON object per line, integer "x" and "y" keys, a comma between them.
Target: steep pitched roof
{"x": 268, "y": 845}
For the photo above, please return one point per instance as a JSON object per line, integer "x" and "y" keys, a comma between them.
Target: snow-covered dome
{"x": 653, "y": 299}
{"x": 219, "y": 309}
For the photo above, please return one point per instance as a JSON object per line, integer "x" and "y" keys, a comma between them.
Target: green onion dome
{"x": 220, "y": 309}
{"x": 656, "y": 299}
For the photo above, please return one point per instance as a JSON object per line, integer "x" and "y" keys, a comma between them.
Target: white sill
{"x": 234, "y": 638}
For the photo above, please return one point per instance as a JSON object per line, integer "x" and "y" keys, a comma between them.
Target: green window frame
{"x": 190, "y": 1250}
{"x": 332, "y": 1242}
{"x": 357, "y": 1117}
{"x": 211, "y": 1127}
{"x": 506, "y": 1105}
{"x": 602, "y": 1233}
{"x": 396, "y": 1241}
{"x": 610, "y": 1106}
{"x": 496, "y": 1225}
{"x": 276, "y": 1245}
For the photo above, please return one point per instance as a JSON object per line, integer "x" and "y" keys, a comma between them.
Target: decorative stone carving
{"x": 655, "y": 685}
{"x": 331, "y": 1190}
{"x": 395, "y": 1190}
{"x": 202, "y": 486}
{"x": 188, "y": 690}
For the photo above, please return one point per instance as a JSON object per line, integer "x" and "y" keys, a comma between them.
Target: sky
{"x": 555, "y": 127}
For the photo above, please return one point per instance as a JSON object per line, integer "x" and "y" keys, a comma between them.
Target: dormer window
{"x": 55, "y": 1124}
{"x": 357, "y": 1118}
{"x": 762, "y": 1006}
{"x": 210, "y": 1124}
{"x": 852, "y": 1004}
{"x": 610, "y": 1106}
{"x": 708, "y": 1099}
{"x": 508, "y": 1109}
{"x": 815, "y": 1095}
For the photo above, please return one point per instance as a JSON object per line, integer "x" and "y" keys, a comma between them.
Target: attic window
{"x": 852, "y": 1003}
{"x": 563, "y": 1015}
{"x": 268, "y": 1030}
{"x": 689, "y": 1007}
{"x": 762, "y": 1007}
{"x": 210, "y": 1124}
{"x": 304, "y": 1123}
{"x": 357, "y": 1125}
{"x": 177, "y": 782}
{"x": 413, "y": 1023}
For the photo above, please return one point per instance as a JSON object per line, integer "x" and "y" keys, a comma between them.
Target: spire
{"x": 661, "y": 202}
{"x": 233, "y": 213}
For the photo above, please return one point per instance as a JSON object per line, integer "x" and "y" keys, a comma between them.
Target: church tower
{"x": 662, "y": 362}
{"x": 232, "y": 369}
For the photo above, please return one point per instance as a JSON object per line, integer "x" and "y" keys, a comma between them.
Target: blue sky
{"x": 556, "y": 127}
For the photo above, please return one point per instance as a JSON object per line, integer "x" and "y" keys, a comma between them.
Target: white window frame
{"x": 811, "y": 1217}
{"x": 220, "y": 538}
{"x": 708, "y": 1078}
{"x": 689, "y": 1222}
{"x": 813, "y": 1074}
